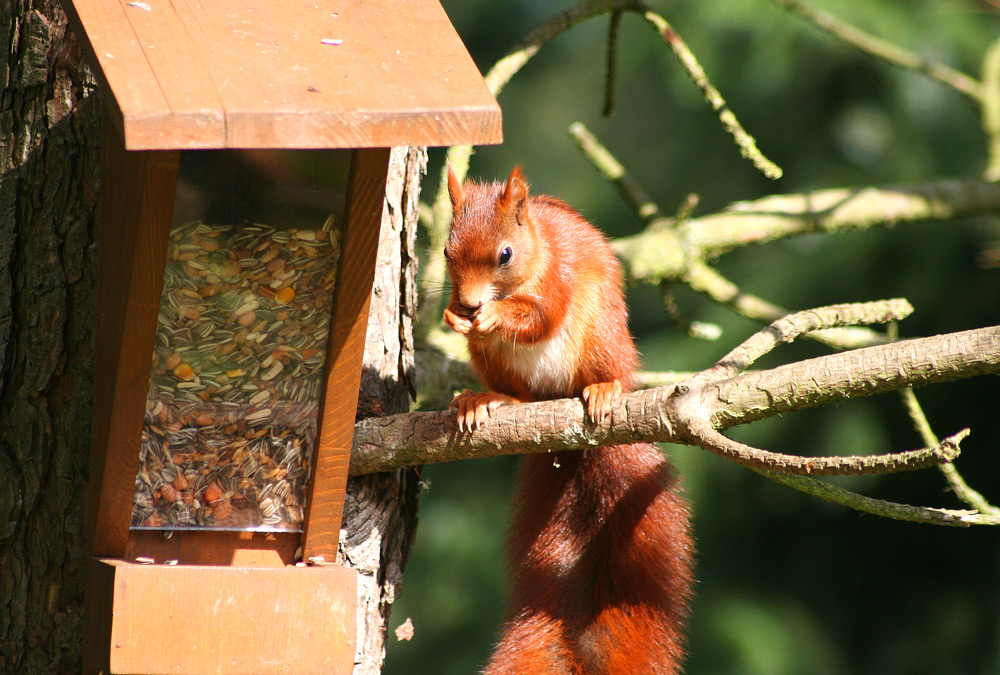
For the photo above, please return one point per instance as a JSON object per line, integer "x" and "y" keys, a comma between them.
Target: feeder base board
{"x": 201, "y": 619}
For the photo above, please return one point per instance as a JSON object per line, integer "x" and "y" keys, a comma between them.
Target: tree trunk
{"x": 49, "y": 122}
{"x": 49, "y": 135}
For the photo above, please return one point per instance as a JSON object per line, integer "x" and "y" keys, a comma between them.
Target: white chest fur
{"x": 547, "y": 365}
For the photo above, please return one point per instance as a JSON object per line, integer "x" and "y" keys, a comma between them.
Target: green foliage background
{"x": 787, "y": 584}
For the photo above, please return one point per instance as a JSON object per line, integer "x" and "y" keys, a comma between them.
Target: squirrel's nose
{"x": 472, "y": 301}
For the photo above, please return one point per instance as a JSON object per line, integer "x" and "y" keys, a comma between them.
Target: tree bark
{"x": 49, "y": 135}
{"x": 49, "y": 132}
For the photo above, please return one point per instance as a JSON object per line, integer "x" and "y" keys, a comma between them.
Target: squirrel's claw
{"x": 601, "y": 398}
{"x": 474, "y": 408}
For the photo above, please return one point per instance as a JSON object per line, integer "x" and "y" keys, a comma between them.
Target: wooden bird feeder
{"x": 245, "y": 154}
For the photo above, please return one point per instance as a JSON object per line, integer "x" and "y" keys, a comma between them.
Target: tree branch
{"x": 700, "y": 330}
{"x": 692, "y": 417}
{"x": 861, "y": 372}
{"x": 656, "y": 415}
{"x": 671, "y": 250}
{"x": 674, "y": 254}
{"x": 501, "y": 73}
{"x": 611, "y": 169}
{"x": 611, "y": 69}
{"x": 695, "y": 410}
{"x": 820, "y": 211}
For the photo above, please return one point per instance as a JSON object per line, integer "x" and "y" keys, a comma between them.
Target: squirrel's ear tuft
{"x": 455, "y": 190}
{"x": 515, "y": 194}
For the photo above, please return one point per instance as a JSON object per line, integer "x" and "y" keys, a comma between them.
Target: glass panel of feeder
{"x": 231, "y": 417}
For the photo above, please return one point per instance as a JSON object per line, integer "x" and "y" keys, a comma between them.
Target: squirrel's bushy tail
{"x": 601, "y": 561}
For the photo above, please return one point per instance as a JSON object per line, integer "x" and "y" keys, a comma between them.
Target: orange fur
{"x": 600, "y": 548}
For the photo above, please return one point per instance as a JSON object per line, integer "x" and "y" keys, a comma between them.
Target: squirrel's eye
{"x": 505, "y": 255}
{"x": 445, "y": 251}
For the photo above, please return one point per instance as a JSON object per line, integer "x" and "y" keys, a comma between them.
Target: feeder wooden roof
{"x": 190, "y": 74}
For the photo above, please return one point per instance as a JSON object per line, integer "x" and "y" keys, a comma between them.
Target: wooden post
{"x": 345, "y": 350}
{"x": 136, "y": 205}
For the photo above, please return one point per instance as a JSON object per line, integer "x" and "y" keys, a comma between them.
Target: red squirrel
{"x": 600, "y": 549}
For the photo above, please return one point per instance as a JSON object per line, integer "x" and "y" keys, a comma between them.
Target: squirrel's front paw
{"x": 474, "y": 409}
{"x": 457, "y": 322}
{"x": 486, "y": 320}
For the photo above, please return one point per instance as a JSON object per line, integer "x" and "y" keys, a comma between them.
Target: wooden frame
{"x": 136, "y": 205}
{"x": 134, "y": 230}
{"x": 352, "y": 299}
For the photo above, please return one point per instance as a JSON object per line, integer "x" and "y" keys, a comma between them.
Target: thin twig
{"x": 991, "y": 109}
{"x": 792, "y": 326}
{"x": 950, "y": 472}
{"x": 878, "y": 507}
{"x": 611, "y": 74}
{"x": 745, "y": 142}
{"x": 612, "y": 171}
{"x": 884, "y": 50}
{"x": 687, "y": 207}
{"x": 699, "y": 330}
{"x": 433, "y": 268}
{"x": 704, "y": 278}
{"x": 703, "y": 435}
